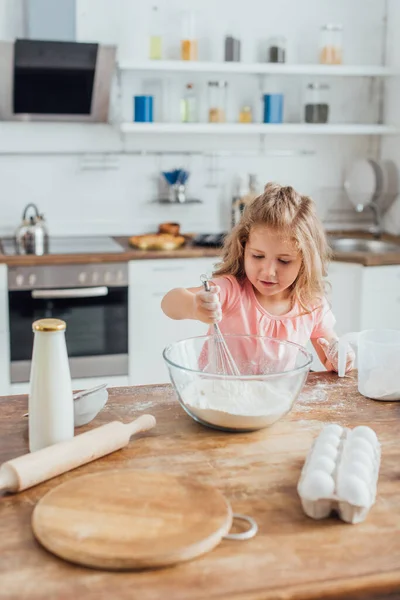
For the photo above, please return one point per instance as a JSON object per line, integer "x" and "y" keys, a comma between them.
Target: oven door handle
{"x": 90, "y": 292}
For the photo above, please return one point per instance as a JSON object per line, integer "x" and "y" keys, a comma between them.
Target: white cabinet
{"x": 150, "y": 331}
{"x": 380, "y": 299}
{"x": 344, "y": 293}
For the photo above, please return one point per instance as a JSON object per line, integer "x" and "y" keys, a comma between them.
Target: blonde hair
{"x": 283, "y": 209}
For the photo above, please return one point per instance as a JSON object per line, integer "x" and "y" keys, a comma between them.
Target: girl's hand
{"x": 331, "y": 351}
{"x": 207, "y": 306}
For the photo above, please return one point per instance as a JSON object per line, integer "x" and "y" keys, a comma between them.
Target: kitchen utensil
{"x": 157, "y": 241}
{"x": 26, "y": 471}
{"x": 32, "y": 237}
{"x": 341, "y": 473}
{"x": 127, "y": 519}
{"x": 87, "y": 404}
{"x": 273, "y": 373}
{"x": 209, "y": 240}
{"x": 224, "y": 363}
{"x": 81, "y": 394}
{"x": 51, "y": 408}
{"x": 363, "y": 183}
{"x": 176, "y": 180}
{"x": 378, "y": 362}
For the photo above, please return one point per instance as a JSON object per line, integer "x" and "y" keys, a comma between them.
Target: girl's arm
{"x": 193, "y": 303}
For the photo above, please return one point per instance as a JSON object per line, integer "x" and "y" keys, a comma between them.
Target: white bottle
{"x": 51, "y": 408}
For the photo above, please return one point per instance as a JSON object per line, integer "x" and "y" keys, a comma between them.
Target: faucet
{"x": 376, "y": 228}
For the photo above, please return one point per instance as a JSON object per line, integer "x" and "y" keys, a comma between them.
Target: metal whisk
{"x": 224, "y": 362}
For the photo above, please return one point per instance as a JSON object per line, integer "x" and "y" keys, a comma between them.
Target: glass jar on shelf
{"x": 232, "y": 48}
{"x": 189, "y": 47}
{"x": 277, "y": 49}
{"x": 189, "y": 105}
{"x": 316, "y": 107}
{"x": 246, "y": 115}
{"x": 155, "y": 35}
{"x": 331, "y": 46}
{"x": 217, "y": 96}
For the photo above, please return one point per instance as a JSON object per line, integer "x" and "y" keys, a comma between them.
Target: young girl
{"x": 270, "y": 280}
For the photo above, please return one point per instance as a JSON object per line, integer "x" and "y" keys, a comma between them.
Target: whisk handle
{"x": 206, "y": 282}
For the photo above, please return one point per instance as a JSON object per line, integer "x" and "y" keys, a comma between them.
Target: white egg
{"x": 356, "y": 468}
{"x": 329, "y": 438}
{"x": 333, "y": 428}
{"x": 361, "y": 444}
{"x": 354, "y": 490}
{"x": 365, "y": 433}
{"x": 323, "y": 449}
{"x": 317, "y": 485}
{"x": 356, "y": 455}
{"x": 323, "y": 463}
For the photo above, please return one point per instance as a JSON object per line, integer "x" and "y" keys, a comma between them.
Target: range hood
{"x": 45, "y": 80}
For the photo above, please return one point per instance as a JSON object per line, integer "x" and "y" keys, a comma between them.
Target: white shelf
{"x": 182, "y": 66}
{"x": 259, "y": 129}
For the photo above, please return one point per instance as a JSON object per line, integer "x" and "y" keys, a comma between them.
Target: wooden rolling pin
{"x": 28, "y": 470}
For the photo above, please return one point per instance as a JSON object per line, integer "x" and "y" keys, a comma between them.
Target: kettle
{"x": 31, "y": 236}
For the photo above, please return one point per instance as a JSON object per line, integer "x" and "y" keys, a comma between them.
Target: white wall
{"x": 119, "y": 199}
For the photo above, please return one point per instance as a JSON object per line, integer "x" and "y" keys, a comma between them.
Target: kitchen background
{"x": 40, "y": 162}
{"x": 103, "y": 179}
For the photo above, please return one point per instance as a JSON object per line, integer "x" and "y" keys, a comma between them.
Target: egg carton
{"x": 341, "y": 473}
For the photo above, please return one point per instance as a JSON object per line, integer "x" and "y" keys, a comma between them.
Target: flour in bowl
{"x": 237, "y": 404}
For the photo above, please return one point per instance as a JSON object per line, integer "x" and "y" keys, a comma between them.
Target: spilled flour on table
{"x": 333, "y": 392}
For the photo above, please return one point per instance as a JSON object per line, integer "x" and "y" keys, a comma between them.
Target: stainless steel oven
{"x": 93, "y": 301}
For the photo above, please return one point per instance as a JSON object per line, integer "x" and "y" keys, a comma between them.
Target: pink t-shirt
{"x": 243, "y": 314}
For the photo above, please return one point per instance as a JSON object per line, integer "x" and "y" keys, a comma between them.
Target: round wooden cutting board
{"x": 129, "y": 519}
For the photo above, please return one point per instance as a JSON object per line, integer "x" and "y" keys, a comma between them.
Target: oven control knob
{"x": 95, "y": 277}
{"x": 108, "y": 277}
{"x": 19, "y": 280}
{"x": 120, "y": 276}
{"x": 32, "y": 279}
{"x": 82, "y": 277}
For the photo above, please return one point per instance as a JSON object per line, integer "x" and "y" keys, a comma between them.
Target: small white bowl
{"x": 88, "y": 405}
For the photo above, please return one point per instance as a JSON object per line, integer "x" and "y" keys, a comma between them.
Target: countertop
{"x": 190, "y": 251}
{"x": 292, "y": 556}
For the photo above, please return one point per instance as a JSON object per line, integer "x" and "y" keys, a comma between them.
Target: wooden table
{"x": 292, "y": 557}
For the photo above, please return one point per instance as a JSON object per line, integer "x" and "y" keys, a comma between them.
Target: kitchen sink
{"x": 362, "y": 245}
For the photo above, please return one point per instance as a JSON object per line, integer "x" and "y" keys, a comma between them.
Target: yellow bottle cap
{"x": 49, "y": 325}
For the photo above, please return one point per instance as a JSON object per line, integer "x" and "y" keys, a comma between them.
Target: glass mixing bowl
{"x": 272, "y": 375}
